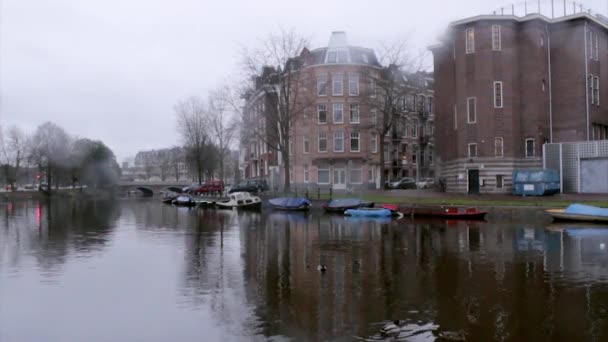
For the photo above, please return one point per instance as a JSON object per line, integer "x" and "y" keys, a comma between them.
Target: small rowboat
{"x": 561, "y": 214}
{"x": 240, "y": 200}
{"x": 369, "y": 212}
{"x": 343, "y": 204}
{"x": 290, "y": 203}
{"x": 184, "y": 201}
{"x": 452, "y": 213}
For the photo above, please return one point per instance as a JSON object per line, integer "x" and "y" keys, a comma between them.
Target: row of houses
{"x": 504, "y": 89}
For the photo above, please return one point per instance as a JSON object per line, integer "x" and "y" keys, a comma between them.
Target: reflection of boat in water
{"x": 369, "y": 212}
{"x": 289, "y": 216}
{"x": 363, "y": 219}
{"x": 451, "y": 213}
{"x": 580, "y": 212}
{"x": 240, "y": 200}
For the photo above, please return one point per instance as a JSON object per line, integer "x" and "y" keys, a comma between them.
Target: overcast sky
{"x": 113, "y": 69}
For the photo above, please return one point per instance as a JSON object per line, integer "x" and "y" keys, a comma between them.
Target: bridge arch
{"x": 147, "y": 192}
{"x": 174, "y": 189}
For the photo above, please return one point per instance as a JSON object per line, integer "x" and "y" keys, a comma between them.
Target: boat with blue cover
{"x": 369, "y": 212}
{"x": 290, "y": 203}
{"x": 580, "y": 212}
{"x": 342, "y": 204}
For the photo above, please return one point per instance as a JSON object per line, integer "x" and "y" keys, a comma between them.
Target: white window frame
{"x": 350, "y": 113}
{"x": 333, "y": 113}
{"x": 305, "y": 145}
{"x": 321, "y": 80}
{"x": 469, "y": 145}
{"x": 370, "y": 174}
{"x": 323, "y": 168}
{"x": 501, "y": 99}
{"x": 306, "y": 176}
{"x": 414, "y": 129}
{"x": 358, "y": 138}
{"x": 337, "y": 80}
{"x": 502, "y": 147}
{"x": 533, "y": 147}
{"x": 474, "y": 99}
{"x": 355, "y": 169}
{"x": 374, "y": 143}
{"x": 469, "y": 45}
{"x": 597, "y": 47}
{"x": 319, "y": 114}
{"x": 354, "y": 78}
{"x": 322, "y": 136}
{"x": 455, "y": 116}
{"x": 374, "y": 116}
{"x": 372, "y": 87}
{"x": 338, "y": 135}
{"x": 496, "y": 38}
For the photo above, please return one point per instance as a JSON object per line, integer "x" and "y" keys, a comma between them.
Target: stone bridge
{"x": 151, "y": 188}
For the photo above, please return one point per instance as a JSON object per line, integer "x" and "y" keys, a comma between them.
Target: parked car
{"x": 209, "y": 187}
{"x": 403, "y": 183}
{"x": 250, "y": 185}
{"x": 189, "y": 188}
{"x": 425, "y": 183}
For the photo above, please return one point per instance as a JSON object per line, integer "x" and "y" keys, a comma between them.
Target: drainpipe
{"x": 549, "y": 84}
{"x": 586, "y": 82}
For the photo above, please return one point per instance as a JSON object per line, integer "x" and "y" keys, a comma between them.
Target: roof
{"x": 339, "y": 52}
{"x": 534, "y": 16}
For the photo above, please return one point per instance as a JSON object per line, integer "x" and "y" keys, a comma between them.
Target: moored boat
{"x": 452, "y": 213}
{"x": 342, "y": 204}
{"x": 580, "y": 212}
{"x": 369, "y": 212}
{"x": 240, "y": 200}
{"x": 184, "y": 201}
{"x": 290, "y": 203}
{"x": 168, "y": 197}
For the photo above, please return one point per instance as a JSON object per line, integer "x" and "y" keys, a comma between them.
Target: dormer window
{"x": 332, "y": 57}
{"x": 342, "y": 57}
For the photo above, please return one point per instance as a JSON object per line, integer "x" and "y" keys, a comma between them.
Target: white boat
{"x": 240, "y": 200}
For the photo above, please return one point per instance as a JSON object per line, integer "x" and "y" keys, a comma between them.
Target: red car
{"x": 210, "y": 187}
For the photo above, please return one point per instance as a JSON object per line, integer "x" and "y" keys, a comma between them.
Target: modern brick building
{"x": 505, "y": 85}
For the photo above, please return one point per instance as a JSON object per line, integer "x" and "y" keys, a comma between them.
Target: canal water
{"x": 137, "y": 270}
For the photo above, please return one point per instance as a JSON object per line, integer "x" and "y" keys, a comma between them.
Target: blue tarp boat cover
{"x": 289, "y": 202}
{"x": 369, "y": 212}
{"x": 345, "y": 202}
{"x": 582, "y": 209}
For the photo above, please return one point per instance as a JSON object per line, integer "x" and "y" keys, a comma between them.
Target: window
{"x": 372, "y": 87}
{"x": 322, "y": 113}
{"x": 414, "y": 153}
{"x": 322, "y": 86}
{"x": 338, "y": 113}
{"x": 355, "y": 174}
{"x": 498, "y": 147}
{"x": 591, "y": 92}
{"x": 332, "y": 57}
{"x": 471, "y": 110}
{"x": 374, "y": 117}
{"x": 597, "y": 47}
{"x": 353, "y": 85}
{"x": 496, "y": 39}
{"x": 354, "y": 142}
{"x": 413, "y": 103}
{"x": 370, "y": 174}
{"x": 472, "y": 150}
{"x": 542, "y": 41}
{"x": 305, "y": 145}
{"x": 342, "y": 57}
{"x": 414, "y": 129}
{"x": 597, "y": 90}
{"x": 590, "y": 44}
{"x": 498, "y": 94}
{"x": 499, "y": 181}
{"x": 338, "y": 141}
{"x": 374, "y": 143}
{"x": 470, "y": 40}
{"x": 337, "y": 85}
{"x": 405, "y": 128}
{"x": 322, "y": 141}
{"x": 404, "y": 152}
{"x": 306, "y": 174}
{"x": 354, "y": 113}
{"x": 431, "y": 105}
{"x": 323, "y": 174}
{"x": 455, "y": 117}
{"x": 530, "y": 148}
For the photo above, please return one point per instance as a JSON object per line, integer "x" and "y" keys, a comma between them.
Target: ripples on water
{"x": 138, "y": 270}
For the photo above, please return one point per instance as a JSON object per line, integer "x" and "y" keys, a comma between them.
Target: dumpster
{"x": 535, "y": 182}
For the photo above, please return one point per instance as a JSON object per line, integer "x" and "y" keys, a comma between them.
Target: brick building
{"x": 506, "y": 84}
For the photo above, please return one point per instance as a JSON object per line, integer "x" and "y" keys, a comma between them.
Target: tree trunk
{"x": 286, "y": 163}
{"x": 49, "y": 177}
{"x": 382, "y": 161}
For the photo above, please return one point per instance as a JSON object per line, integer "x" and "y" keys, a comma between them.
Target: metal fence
{"x": 567, "y": 159}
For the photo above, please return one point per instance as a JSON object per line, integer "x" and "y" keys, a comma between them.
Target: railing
{"x": 313, "y": 193}
{"x": 547, "y": 8}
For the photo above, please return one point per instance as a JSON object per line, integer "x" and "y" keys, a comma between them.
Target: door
{"x": 594, "y": 178}
{"x": 473, "y": 182}
{"x": 339, "y": 178}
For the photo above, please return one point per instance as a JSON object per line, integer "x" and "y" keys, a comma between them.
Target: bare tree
{"x": 390, "y": 89}
{"x": 176, "y": 157}
{"x": 49, "y": 149}
{"x": 193, "y": 127}
{"x": 13, "y": 146}
{"x": 282, "y": 51}
{"x": 222, "y": 123}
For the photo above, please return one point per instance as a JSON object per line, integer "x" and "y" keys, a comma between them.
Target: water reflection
{"x": 213, "y": 274}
